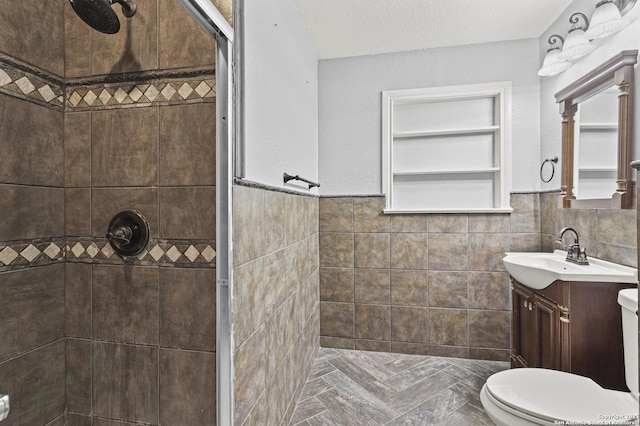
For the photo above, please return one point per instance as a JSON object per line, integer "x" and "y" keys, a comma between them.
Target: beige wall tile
{"x": 337, "y": 250}
{"x": 372, "y": 286}
{"x": 448, "y": 252}
{"x": 486, "y": 251}
{"x": 448, "y": 289}
{"x": 337, "y": 319}
{"x": 526, "y": 213}
{"x": 410, "y": 324}
{"x": 373, "y": 322}
{"x": 250, "y": 374}
{"x": 489, "y": 329}
{"x": 409, "y": 288}
{"x": 372, "y": 250}
{"x": 409, "y": 222}
{"x": 448, "y": 223}
{"x": 337, "y": 284}
{"x": 373, "y": 345}
{"x": 489, "y": 290}
{"x": 368, "y": 215}
{"x": 336, "y": 214}
{"x": 488, "y": 223}
{"x": 449, "y": 327}
{"x": 409, "y": 250}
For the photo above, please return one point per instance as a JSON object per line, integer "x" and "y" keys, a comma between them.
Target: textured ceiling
{"x": 341, "y": 28}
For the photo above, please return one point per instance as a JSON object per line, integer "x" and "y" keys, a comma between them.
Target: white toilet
{"x": 536, "y": 396}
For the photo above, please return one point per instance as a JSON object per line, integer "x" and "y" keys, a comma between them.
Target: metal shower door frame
{"x": 217, "y": 26}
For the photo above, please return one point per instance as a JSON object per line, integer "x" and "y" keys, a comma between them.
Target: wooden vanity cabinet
{"x": 570, "y": 326}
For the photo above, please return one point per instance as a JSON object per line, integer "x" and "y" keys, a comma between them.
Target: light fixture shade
{"x": 576, "y": 45}
{"x": 553, "y": 64}
{"x": 606, "y": 20}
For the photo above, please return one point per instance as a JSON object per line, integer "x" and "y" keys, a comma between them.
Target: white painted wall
{"x": 281, "y": 95}
{"x": 550, "y": 119}
{"x": 350, "y": 106}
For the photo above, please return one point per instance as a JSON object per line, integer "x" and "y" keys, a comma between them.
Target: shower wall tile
{"x": 32, "y": 303}
{"x": 125, "y": 304}
{"x": 187, "y": 386}
{"x": 77, "y": 46}
{"x": 78, "y": 284}
{"x": 35, "y": 383}
{"x": 187, "y": 151}
{"x": 77, "y": 149}
{"x": 124, "y": 147}
{"x": 32, "y": 143}
{"x": 182, "y": 41}
{"x": 337, "y": 319}
{"x": 41, "y": 208}
{"x": 107, "y": 202}
{"x": 78, "y": 375}
{"x": 337, "y": 250}
{"x": 134, "y": 48}
{"x": 125, "y": 382}
{"x": 77, "y": 202}
{"x": 187, "y": 320}
{"x": 73, "y": 419}
{"x": 43, "y": 44}
{"x": 188, "y": 213}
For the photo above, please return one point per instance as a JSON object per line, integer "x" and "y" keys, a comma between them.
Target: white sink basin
{"x": 539, "y": 270}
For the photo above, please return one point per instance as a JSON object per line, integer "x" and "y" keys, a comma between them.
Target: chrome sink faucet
{"x": 575, "y": 253}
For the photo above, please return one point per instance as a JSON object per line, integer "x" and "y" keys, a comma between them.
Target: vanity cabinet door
{"x": 535, "y": 330}
{"x": 522, "y": 327}
{"x": 545, "y": 334}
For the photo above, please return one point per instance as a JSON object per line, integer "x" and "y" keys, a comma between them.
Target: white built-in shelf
{"x": 598, "y": 126}
{"x": 447, "y": 172}
{"x": 445, "y": 132}
{"x": 598, "y": 169}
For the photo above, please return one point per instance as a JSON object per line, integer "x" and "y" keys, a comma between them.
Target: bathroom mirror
{"x": 596, "y": 143}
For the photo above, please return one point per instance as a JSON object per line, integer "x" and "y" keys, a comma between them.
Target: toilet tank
{"x": 628, "y": 300}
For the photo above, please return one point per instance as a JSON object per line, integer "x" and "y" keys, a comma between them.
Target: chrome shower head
{"x": 99, "y": 15}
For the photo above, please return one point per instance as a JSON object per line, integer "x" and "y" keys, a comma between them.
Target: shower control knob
{"x": 128, "y": 233}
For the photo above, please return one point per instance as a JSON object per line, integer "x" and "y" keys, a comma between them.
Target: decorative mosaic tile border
{"x": 179, "y": 253}
{"x": 18, "y": 82}
{"x": 141, "y": 94}
{"x": 143, "y": 89}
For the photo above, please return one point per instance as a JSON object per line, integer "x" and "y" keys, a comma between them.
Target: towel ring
{"x": 551, "y": 161}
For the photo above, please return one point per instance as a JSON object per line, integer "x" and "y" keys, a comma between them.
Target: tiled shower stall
{"x": 92, "y": 124}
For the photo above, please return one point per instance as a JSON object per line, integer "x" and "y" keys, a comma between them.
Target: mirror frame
{"x": 618, "y": 71}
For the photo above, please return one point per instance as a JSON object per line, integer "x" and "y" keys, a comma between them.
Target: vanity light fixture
{"x": 577, "y": 44}
{"x": 553, "y": 64}
{"x": 607, "y": 18}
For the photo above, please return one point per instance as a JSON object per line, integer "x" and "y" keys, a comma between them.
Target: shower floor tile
{"x": 348, "y": 387}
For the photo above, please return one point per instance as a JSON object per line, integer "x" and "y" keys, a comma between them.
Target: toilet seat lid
{"x": 555, "y": 395}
